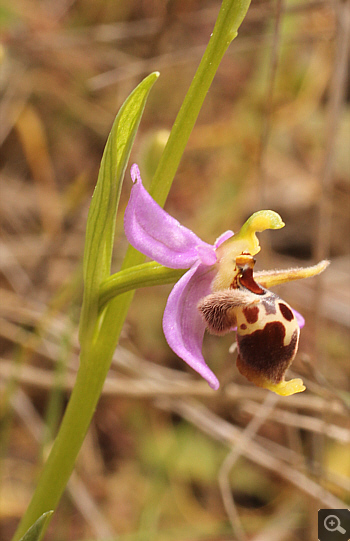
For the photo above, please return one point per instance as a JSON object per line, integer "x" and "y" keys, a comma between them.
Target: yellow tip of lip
{"x": 285, "y": 388}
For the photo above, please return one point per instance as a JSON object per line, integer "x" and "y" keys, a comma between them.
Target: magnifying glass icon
{"x": 332, "y": 524}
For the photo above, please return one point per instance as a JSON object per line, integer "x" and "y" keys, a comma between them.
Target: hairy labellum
{"x": 267, "y": 329}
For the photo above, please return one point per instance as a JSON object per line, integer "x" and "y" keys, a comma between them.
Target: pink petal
{"x": 206, "y": 254}
{"x": 158, "y": 235}
{"x": 224, "y": 236}
{"x": 182, "y": 323}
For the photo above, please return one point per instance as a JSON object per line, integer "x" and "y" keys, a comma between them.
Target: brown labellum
{"x": 267, "y": 330}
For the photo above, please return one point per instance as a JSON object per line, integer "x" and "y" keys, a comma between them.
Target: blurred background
{"x": 166, "y": 458}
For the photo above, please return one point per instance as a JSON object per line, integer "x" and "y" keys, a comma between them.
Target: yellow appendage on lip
{"x": 283, "y": 388}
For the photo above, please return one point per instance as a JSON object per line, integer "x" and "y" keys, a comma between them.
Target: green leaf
{"x": 35, "y": 532}
{"x": 102, "y": 214}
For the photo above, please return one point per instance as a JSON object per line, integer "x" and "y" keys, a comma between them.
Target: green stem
{"x": 144, "y": 275}
{"x": 95, "y": 361}
{"x": 60, "y": 462}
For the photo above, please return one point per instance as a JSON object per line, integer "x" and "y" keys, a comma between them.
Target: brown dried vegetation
{"x": 166, "y": 457}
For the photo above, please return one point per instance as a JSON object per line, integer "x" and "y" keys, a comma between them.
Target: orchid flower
{"x": 219, "y": 293}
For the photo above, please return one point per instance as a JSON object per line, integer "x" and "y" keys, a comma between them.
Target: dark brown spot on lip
{"x": 265, "y": 354}
{"x": 243, "y": 326}
{"x": 251, "y": 314}
{"x": 286, "y": 312}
